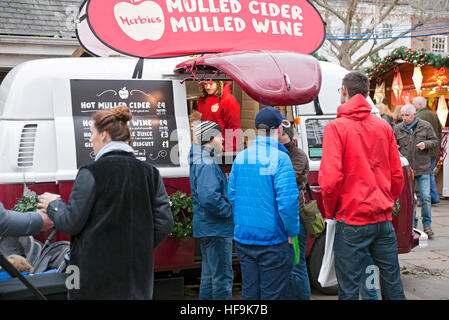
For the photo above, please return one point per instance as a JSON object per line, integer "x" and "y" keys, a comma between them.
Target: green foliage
{"x": 26, "y": 203}
{"x": 417, "y": 57}
{"x": 320, "y": 58}
{"x": 396, "y": 209}
{"x": 182, "y": 209}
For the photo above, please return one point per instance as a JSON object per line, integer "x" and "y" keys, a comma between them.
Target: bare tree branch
{"x": 324, "y": 4}
{"x": 349, "y": 18}
{"x": 366, "y": 56}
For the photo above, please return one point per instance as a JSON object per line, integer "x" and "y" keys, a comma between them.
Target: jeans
{"x": 434, "y": 196}
{"x": 265, "y": 270}
{"x": 351, "y": 247}
{"x": 424, "y": 195}
{"x": 369, "y": 280}
{"x": 216, "y": 269}
{"x": 299, "y": 285}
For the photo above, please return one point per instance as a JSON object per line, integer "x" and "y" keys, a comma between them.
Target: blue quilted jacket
{"x": 263, "y": 191}
{"x": 212, "y": 212}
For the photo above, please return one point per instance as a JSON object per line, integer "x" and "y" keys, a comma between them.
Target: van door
{"x": 271, "y": 78}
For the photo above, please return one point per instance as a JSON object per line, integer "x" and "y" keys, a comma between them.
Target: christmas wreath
{"x": 182, "y": 210}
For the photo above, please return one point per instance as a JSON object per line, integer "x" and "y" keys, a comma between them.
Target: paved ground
{"x": 425, "y": 271}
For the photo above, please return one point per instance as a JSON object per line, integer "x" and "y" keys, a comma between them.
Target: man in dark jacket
{"x": 299, "y": 285}
{"x": 424, "y": 113}
{"x": 415, "y": 138}
{"x": 213, "y": 217}
{"x": 360, "y": 178}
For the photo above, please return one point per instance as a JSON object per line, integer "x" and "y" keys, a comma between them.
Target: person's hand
{"x": 421, "y": 146}
{"x": 290, "y": 240}
{"x": 47, "y": 224}
{"x": 46, "y": 198}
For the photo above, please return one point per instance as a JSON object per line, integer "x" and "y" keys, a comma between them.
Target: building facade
{"x": 36, "y": 29}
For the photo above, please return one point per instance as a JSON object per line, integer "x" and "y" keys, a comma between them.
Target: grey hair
{"x": 420, "y": 100}
{"x": 409, "y": 107}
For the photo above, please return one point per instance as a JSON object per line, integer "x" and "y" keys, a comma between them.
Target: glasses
{"x": 286, "y": 123}
{"x": 340, "y": 90}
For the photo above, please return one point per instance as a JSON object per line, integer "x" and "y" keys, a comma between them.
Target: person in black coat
{"x": 117, "y": 213}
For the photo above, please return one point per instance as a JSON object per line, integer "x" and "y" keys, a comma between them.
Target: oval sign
{"x": 164, "y": 28}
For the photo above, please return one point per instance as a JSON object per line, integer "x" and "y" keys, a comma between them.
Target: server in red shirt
{"x": 360, "y": 178}
{"x": 219, "y": 105}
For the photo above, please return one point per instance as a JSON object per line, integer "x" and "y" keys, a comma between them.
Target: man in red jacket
{"x": 360, "y": 179}
{"x": 218, "y": 105}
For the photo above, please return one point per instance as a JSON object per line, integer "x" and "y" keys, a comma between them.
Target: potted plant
{"x": 182, "y": 209}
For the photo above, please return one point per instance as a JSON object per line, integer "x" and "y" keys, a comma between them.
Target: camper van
{"x": 46, "y": 106}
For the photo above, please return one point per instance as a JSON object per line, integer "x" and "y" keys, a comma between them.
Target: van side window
{"x": 314, "y": 130}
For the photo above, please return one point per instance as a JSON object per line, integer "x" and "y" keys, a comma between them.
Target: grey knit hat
{"x": 290, "y": 131}
{"x": 205, "y": 131}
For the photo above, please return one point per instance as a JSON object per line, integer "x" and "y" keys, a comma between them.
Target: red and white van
{"x": 45, "y": 108}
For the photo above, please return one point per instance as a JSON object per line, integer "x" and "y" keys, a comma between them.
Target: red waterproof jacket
{"x": 361, "y": 173}
{"x": 225, "y": 111}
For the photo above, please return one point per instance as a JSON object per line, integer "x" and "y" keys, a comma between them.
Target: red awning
{"x": 271, "y": 78}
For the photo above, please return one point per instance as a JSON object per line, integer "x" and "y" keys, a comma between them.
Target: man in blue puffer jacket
{"x": 263, "y": 191}
{"x": 212, "y": 213}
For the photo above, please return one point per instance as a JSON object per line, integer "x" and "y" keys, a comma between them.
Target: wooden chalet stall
{"x": 404, "y": 74}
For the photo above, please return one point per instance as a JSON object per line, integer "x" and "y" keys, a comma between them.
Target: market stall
{"x": 404, "y": 74}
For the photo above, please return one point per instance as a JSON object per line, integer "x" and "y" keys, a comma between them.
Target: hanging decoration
{"x": 379, "y": 94}
{"x": 442, "y": 111}
{"x": 397, "y": 86}
{"x": 417, "y": 79}
{"x": 419, "y": 58}
{"x": 439, "y": 77}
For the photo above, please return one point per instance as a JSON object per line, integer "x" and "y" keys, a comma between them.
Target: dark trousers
{"x": 265, "y": 270}
{"x": 351, "y": 247}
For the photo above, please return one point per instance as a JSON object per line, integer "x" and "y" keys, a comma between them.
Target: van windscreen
{"x": 315, "y": 129}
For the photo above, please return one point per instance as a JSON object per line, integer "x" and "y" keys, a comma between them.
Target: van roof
{"x": 32, "y": 82}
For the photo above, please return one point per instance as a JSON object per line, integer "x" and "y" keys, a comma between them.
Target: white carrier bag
{"x": 327, "y": 276}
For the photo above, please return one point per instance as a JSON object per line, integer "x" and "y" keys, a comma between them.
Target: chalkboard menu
{"x": 153, "y": 126}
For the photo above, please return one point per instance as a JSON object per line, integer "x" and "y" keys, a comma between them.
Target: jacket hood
{"x": 356, "y": 108}
{"x": 200, "y": 154}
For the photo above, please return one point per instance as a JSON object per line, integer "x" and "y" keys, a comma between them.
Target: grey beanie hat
{"x": 289, "y": 131}
{"x": 205, "y": 131}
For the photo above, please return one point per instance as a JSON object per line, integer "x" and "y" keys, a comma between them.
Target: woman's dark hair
{"x": 115, "y": 122}
{"x": 356, "y": 82}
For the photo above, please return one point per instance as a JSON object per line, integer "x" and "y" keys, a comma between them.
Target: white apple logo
{"x": 123, "y": 93}
{"x": 141, "y": 21}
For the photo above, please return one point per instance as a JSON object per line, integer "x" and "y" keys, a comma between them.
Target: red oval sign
{"x": 162, "y": 28}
